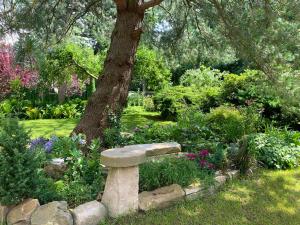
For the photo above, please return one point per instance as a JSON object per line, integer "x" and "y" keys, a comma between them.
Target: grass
{"x": 132, "y": 117}
{"x": 48, "y": 127}
{"x": 269, "y": 198}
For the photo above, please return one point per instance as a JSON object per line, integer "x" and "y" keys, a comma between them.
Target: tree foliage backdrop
{"x": 262, "y": 34}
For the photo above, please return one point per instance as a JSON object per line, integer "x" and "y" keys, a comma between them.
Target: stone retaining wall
{"x": 121, "y": 195}
{"x": 30, "y": 212}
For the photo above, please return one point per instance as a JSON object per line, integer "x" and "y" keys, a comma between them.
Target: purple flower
{"x": 48, "y": 146}
{"x": 191, "y": 156}
{"x": 38, "y": 142}
{"x": 54, "y": 138}
{"x": 204, "y": 153}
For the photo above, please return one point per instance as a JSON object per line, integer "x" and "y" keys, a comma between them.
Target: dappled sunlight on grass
{"x": 132, "y": 117}
{"x": 269, "y": 198}
{"x": 136, "y": 116}
{"x": 48, "y": 127}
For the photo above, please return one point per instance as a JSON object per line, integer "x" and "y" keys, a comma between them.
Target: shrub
{"x": 74, "y": 192}
{"x": 192, "y": 131}
{"x": 15, "y": 107}
{"x": 243, "y": 157}
{"x": 112, "y": 135}
{"x": 172, "y": 100}
{"x": 202, "y": 77}
{"x": 5, "y": 107}
{"x": 167, "y": 171}
{"x": 152, "y": 133}
{"x": 210, "y": 98}
{"x": 277, "y": 149}
{"x": 20, "y": 168}
{"x": 220, "y": 157}
{"x": 149, "y": 104}
{"x": 83, "y": 179}
{"x": 227, "y": 122}
{"x": 33, "y": 113}
{"x": 238, "y": 89}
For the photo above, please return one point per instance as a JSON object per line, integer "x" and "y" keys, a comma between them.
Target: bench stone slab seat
{"x": 122, "y": 184}
{"x": 133, "y": 155}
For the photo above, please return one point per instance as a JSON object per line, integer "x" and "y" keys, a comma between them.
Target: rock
{"x": 3, "y": 213}
{"x": 121, "y": 191}
{"x": 133, "y": 155}
{"x": 90, "y": 213}
{"x": 53, "y": 213}
{"x": 218, "y": 173}
{"x": 161, "y": 197}
{"x": 21, "y": 214}
{"x": 232, "y": 174}
{"x": 220, "y": 180}
{"x": 194, "y": 191}
{"x": 56, "y": 168}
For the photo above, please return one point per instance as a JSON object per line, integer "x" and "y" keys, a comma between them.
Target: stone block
{"x": 21, "y": 214}
{"x": 90, "y": 213}
{"x": 121, "y": 191}
{"x": 194, "y": 191}
{"x": 3, "y": 213}
{"x": 54, "y": 213}
{"x": 232, "y": 174}
{"x": 161, "y": 197}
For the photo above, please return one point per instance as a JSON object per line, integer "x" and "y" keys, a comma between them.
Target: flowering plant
{"x": 9, "y": 72}
{"x": 202, "y": 158}
{"x": 43, "y": 143}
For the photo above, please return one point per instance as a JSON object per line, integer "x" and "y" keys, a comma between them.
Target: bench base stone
{"x": 121, "y": 191}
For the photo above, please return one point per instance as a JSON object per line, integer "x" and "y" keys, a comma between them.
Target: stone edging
{"x": 91, "y": 213}
{"x": 167, "y": 196}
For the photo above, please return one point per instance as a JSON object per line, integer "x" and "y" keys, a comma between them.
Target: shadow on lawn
{"x": 269, "y": 198}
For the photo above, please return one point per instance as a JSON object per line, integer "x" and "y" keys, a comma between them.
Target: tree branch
{"x": 84, "y": 69}
{"x": 149, "y": 4}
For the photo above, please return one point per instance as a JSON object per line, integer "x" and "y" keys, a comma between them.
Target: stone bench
{"x": 122, "y": 184}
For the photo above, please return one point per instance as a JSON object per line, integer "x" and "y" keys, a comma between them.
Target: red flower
{"x": 203, "y": 163}
{"x": 191, "y": 156}
{"x": 204, "y": 153}
{"x": 211, "y": 166}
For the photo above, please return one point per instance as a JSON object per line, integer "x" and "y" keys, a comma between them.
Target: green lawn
{"x": 132, "y": 117}
{"x": 270, "y": 198}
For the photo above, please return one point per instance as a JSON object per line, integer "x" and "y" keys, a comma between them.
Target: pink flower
{"x": 204, "y": 153}
{"x": 203, "y": 163}
{"x": 211, "y": 166}
{"x": 191, "y": 156}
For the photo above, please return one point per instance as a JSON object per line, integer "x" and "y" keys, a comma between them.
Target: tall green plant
{"x": 20, "y": 168}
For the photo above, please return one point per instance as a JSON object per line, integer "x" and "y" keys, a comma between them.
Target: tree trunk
{"x": 112, "y": 87}
{"x": 62, "y": 89}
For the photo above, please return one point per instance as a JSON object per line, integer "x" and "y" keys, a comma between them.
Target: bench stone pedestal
{"x": 122, "y": 183}
{"x": 121, "y": 190}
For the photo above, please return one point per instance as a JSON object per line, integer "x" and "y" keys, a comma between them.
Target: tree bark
{"x": 112, "y": 87}
{"x": 62, "y": 89}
